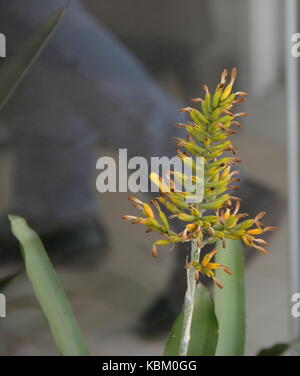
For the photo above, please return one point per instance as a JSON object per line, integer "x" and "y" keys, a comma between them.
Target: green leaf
{"x": 173, "y": 342}
{"x": 204, "y": 329}
{"x": 13, "y": 68}
{"x": 48, "y": 290}
{"x": 280, "y": 348}
{"x": 230, "y": 301}
{"x": 276, "y": 350}
{"x": 4, "y": 282}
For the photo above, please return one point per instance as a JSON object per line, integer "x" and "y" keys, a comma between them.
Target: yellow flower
{"x": 207, "y": 133}
{"x": 207, "y": 267}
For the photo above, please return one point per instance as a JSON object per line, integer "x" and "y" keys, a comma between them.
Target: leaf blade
{"x": 204, "y": 328}
{"x": 13, "y": 69}
{"x": 230, "y": 301}
{"x": 4, "y": 282}
{"x": 48, "y": 290}
{"x": 276, "y": 350}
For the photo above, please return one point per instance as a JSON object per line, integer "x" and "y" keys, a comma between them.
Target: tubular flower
{"x": 207, "y": 267}
{"x": 217, "y": 216}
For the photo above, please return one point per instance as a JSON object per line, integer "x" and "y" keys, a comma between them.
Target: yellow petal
{"x": 247, "y": 240}
{"x": 148, "y": 212}
{"x": 206, "y": 259}
{"x": 255, "y": 231}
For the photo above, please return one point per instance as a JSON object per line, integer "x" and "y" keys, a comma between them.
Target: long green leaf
{"x": 48, "y": 290}
{"x": 230, "y": 301}
{"x": 204, "y": 329}
{"x": 13, "y": 68}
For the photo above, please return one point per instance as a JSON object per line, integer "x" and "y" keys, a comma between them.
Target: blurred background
{"x": 181, "y": 45}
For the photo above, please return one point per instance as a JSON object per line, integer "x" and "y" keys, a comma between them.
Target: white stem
{"x": 189, "y": 302}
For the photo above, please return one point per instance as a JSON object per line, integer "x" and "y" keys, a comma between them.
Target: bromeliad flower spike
{"x": 217, "y": 216}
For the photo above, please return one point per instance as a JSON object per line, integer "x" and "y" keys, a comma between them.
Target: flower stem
{"x": 189, "y": 299}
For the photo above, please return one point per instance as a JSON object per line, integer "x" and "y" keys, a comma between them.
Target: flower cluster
{"x": 217, "y": 216}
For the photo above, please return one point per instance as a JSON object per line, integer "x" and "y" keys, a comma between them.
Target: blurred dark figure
{"x": 168, "y": 36}
{"x": 85, "y": 87}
